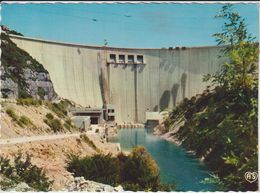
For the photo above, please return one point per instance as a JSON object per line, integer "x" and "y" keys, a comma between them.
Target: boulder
{"x": 80, "y": 184}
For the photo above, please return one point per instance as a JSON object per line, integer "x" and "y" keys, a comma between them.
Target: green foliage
{"x": 14, "y": 56}
{"x": 6, "y": 183}
{"x": 12, "y": 114}
{"x": 21, "y": 121}
{"x": 213, "y": 179}
{"x": 240, "y": 48}
{"x": 221, "y": 125}
{"x": 234, "y": 29}
{"x": 59, "y": 108}
{"x": 139, "y": 172}
{"x": 25, "y": 121}
{"x": 53, "y": 123}
{"x": 136, "y": 172}
{"x": 22, "y": 93}
{"x": 49, "y": 116}
{"x": 7, "y": 30}
{"x": 23, "y": 171}
{"x": 85, "y": 138}
{"x": 69, "y": 125}
{"x": 100, "y": 168}
{"x": 41, "y": 92}
{"x": 29, "y": 102}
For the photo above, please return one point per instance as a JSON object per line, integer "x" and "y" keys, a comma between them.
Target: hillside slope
{"x": 20, "y": 119}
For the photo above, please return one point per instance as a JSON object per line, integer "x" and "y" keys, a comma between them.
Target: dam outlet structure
{"x": 133, "y": 81}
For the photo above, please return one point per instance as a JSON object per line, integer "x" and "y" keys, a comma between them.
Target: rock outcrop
{"x": 80, "y": 184}
{"x": 21, "y": 75}
{"x": 21, "y": 187}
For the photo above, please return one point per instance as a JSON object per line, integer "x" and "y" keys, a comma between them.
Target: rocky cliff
{"x": 21, "y": 75}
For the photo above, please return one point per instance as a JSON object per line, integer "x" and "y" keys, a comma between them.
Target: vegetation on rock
{"x": 135, "y": 172}
{"x": 23, "y": 171}
{"x": 220, "y": 125}
{"x": 20, "y": 72}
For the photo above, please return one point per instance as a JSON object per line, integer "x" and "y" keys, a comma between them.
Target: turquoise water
{"x": 176, "y": 165}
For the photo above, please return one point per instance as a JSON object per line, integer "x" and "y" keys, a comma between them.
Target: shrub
{"x": 100, "y": 168}
{"x": 56, "y": 125}
{"x": 85, "y": 138}
{"x": 29, "y": 102}
{"x": 53, "y": 123}
{"x": 23, "y": 171}
{"x": 68, "y": 124}
{"x": 60, "y": 109}
{"x": 23, "y": 94}
{"x": 49, "y": 116}
{"x": 136, "y": 172}
{"x": 6, "y": 183}
{"x": 24, "y": 121}
{"x": 41, "y": 92}
{"x": 140, "y": 172}
{"x": 12, "y": 114}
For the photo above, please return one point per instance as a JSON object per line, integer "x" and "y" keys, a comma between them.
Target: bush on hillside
{"x": 100, "y": 168}
{"x": 49, "y": 116}
{"x": 86, "y": 139}
{"x": 12, "y": 114}
{"x": 25, "y": 121}
{"x": 53, "y": 123}
{"x": 136, "y": 172}
{"x": 29, "y": 102}
{"x": 21, "y": 121}
{"x": 23, "y": 171}
{"x": 69, "y": 125}
{"x": 60, "y": 109}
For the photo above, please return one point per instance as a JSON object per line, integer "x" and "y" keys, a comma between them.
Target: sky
{"x": 124, "y": 25}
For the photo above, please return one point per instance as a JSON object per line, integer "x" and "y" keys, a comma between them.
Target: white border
{"x": 148, "y": 2}
{"x": 131, "y": 2}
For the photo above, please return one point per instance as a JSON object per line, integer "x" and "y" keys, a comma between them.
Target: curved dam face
{"x": 132, "y": 80}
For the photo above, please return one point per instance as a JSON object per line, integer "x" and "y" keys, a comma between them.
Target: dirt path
{"x": 36, "y": 138}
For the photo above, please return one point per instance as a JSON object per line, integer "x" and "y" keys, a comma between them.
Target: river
{"x": 176, "y": 165}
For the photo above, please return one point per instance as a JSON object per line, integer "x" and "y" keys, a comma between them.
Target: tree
{"x": 239, "y": 48}
{"x": 220, "y": 126}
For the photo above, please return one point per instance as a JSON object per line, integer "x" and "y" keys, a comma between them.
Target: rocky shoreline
{"x": 169, "y": 136}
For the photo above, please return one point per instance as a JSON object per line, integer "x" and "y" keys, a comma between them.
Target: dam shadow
{"x": 174, "y": 92}
{"x": 165, "y": 100}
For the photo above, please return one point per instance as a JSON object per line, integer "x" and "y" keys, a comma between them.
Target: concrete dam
{"x": 134, "y": 81}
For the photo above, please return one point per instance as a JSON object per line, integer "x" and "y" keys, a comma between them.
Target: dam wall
{"x": 86, "y": 75}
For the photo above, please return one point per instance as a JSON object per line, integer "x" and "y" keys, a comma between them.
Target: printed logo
{"x": 251, "y": 176}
